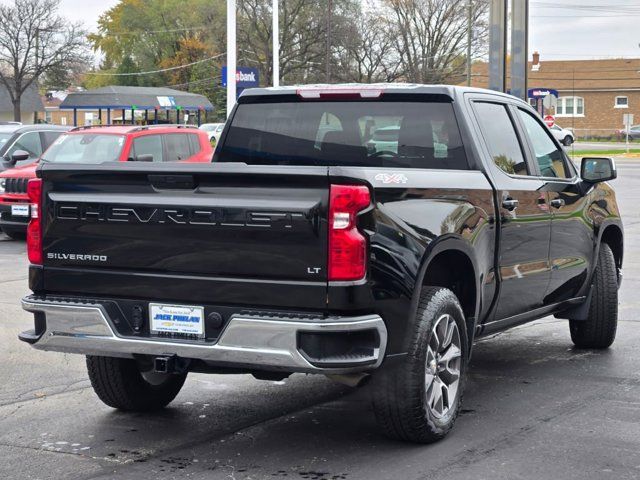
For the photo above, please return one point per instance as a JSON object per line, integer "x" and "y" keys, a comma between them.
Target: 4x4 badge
{"x": 388, "y": 178}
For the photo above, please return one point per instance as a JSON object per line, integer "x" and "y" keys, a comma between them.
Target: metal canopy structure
{"x": 134, "y": 99}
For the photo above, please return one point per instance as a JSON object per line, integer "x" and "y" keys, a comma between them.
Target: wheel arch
{"x": 613, "y": 237}
{"x": 451, "y": 263}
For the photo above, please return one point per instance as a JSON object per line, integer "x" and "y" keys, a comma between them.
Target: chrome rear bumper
{"x": 261, "y": 343}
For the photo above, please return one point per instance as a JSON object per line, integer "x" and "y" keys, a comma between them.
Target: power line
{"x": 153, "y": 32}
{"x": 194, "y": 82}
{"x": 568, "y": 78}
{"x": 155, "y": 71}
{"x": 587, "y": 16}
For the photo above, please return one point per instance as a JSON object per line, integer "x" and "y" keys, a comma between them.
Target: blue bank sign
{"x": 541, "y": 92}
{"x": 246, "y": 77}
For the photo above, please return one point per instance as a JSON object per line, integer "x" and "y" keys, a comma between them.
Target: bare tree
{"x": 35, "y": 41}
{"x": 368, "y": 53}
{"x": 303, "y": 34}
{"x": 432, "y": 38}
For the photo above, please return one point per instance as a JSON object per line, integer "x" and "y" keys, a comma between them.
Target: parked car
{"x": 23, "y": 144}
{"x": 214, "y": 130}
{"x": 95, "y": 144}
{"x": 563, "y": 135}
{"x": 634, "y": 133}
{"x": 287, "y": 257}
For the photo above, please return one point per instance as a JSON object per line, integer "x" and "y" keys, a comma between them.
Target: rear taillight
{"x": 347, "y": 246}
{"x": 34, "y": 229}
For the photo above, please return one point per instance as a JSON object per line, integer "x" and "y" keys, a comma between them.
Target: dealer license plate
{"x": 176, "y": 319}
{"x": 20, "y": 210}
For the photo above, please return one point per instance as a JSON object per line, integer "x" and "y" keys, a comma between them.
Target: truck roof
{"x": 371, "y": 90}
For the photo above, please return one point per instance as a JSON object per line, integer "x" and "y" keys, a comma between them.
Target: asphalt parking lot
{"x": 535, "y": 408}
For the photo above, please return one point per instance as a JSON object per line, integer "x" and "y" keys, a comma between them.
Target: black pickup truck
{"x": 363, "y": 232}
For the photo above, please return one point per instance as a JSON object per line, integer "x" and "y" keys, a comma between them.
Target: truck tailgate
{"x": 187, "y": 231}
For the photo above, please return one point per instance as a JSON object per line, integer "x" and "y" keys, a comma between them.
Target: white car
{"x": 563, "y": 135}
{"x": 214, "y": 130}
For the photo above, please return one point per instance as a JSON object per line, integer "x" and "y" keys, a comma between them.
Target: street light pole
{"x": 276, "y": 44}
{"x": 231, "y": 55}
{"x": 469, "y": 38}
{"x": 327, "y": 59}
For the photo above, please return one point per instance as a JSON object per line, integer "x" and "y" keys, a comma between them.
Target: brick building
{"x": 593, "y": 94}
{"x": 54, "y": 116}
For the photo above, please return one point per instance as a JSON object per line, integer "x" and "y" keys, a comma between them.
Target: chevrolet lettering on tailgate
{"x": 181, "y": 216}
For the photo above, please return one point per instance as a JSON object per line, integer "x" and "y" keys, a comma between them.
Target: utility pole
{"x": 469, "y": 39}
{"x": 497, "y": 44}
{"x": 231, "y": 55}
{"x": 276, "y": 44}
{"x": 38, "y": 30}
{"x": 37, "y": 45}
{"x": 519, "y": 48}
{"x": 327, "y": 59}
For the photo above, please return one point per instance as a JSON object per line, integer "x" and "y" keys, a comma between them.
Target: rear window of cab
{"x": 405, "y": 134}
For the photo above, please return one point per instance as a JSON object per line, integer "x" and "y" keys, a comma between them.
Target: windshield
{"x": 85, "y": 148}
{"x": 356, "y": 133}
{"x": 208, "y": 127}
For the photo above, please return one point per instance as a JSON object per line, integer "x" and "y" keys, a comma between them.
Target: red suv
{"x": 152, "y": 143}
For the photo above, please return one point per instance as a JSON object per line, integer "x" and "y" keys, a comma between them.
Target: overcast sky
{"x": 581, "y": 29}
{"x": 586, "y": 29}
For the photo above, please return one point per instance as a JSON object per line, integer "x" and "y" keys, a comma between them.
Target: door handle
{"x": 557, "y": 203}
{"x": 510, "y": 204}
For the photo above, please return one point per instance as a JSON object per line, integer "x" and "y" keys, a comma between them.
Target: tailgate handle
{"x": 186, "y": 182}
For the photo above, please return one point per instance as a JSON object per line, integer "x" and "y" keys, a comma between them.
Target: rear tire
{"x": 119, "y": 384}
{"x": 15, "y": 234}
{"x": 567, "y": 141}
{"x": 599, "y": 330}
{"x": 419, "y": 399}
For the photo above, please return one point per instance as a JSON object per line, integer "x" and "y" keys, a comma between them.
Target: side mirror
{"x": 146, "y": 157}
{"x": 595, "y": 170}
{"x": 19, "y": 156}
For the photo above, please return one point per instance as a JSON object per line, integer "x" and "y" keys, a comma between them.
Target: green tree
{"x": 155, "y": 33}
{"x": 127, "y": 66}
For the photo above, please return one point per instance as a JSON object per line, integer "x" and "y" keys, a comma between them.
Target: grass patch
{"x": 603, "y": 153}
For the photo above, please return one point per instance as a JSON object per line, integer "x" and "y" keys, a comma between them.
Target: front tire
{"x": 119, "y": 383}
{"x": 419, "y": 399}
{"x": 567, "y": 141}
{"x": 599, "y": 330}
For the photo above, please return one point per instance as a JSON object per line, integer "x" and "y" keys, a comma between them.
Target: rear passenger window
{"x": 550, "y": 158}
{"x": 177, "y": 145}
{"x": 500, "y": 137}
{"x": 149, "y": 145}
